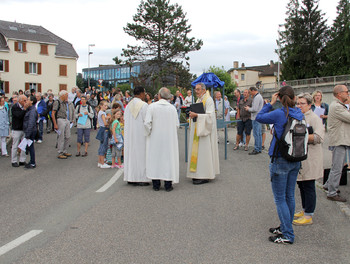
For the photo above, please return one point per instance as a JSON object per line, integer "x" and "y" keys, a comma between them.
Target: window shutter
{"x": 63, "y": 87}
{"x": 63, "y": 70}
{"x": 26, "y": 67}
{"x": 7, "y": 87}
{"x": 39, "y": 68}
{"x": 7, "y": 69}
{"x": 27, "y": 86}
{"x": 16, "y": 46}
{"x": 44, "y": 49}
{"x": 39, "y": 87}
{"x": 24, "y": 47}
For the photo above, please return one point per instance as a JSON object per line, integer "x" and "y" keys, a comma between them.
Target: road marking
{"x": 111, "y": 181}
{"x": 22, "y": 239}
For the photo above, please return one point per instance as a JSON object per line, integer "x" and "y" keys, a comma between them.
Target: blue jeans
{"x": 102, "y": 150}
{"x": 283, "y": 180}
{"x": 257, "y": 135}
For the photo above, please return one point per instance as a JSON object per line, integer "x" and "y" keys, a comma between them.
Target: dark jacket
{"x": 17, "y": 117}
{"x": 29, "y": 122}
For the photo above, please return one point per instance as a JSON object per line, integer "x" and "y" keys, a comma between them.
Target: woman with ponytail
{"x": 283, "y": 173}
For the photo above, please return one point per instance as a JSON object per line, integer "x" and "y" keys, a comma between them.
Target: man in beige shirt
{"x": 339, "y": 139}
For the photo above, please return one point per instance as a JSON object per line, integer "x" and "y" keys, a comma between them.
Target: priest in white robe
{"x": 135, "y": 140}
{"x": 162, "y": 149}
{"x": 203, "y": 144}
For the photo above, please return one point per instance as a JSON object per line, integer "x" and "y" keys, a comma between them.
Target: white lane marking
{"x": 22, "y": 239}
{"x": 111, "y": 181}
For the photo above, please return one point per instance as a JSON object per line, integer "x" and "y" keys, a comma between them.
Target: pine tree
{"x": 338, "y": 47}
{"x": 163, "y": 30}
{"x": 303, "y": 40}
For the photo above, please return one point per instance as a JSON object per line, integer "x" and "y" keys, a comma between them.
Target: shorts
{"x": 245, "y": 126}
{"x": 83, "y": 132}
{"x": 115, "y": 152}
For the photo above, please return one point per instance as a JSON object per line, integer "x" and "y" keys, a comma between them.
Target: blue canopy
{"x": 209, "y": 79}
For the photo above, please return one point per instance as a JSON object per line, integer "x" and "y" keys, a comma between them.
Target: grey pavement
{"x": 225, "y": 221}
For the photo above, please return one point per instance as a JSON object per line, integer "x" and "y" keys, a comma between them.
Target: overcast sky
{"x": 245, "y": 31}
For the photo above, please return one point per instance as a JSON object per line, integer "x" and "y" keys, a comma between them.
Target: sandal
{"x": 246, "y": 148}
{"x": 78, "y": 154}
{"x": 236, "y": 147}
{"x": 84, "y": 155}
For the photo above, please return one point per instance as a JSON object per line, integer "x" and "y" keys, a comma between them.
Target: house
{"x": 31, "y": 57}
{"x": 264, "y": 76}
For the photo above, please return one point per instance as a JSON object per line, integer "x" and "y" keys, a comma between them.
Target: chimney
{"x": 235, "y": 64}
{"x": 243, "y": 65}
{"x": 272, "y": 63}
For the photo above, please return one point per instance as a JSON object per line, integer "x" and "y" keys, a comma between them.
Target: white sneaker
{"x": 241, "y": 144}
{"x": 39, "y": 141}
{"x": 105, "y": 166}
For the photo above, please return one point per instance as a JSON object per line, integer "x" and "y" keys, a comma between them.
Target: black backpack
{"x": 293, "y": 143}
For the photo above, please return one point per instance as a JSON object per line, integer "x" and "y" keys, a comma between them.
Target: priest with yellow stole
{"x": 203, "y": 143}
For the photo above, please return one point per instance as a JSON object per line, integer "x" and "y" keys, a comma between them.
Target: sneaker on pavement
{"x": 39, "y": 141}
{"x": 62, "y": 156}
{"x": 275, "y": 230}
{"x": 298, "y": 214}
{"x": 120, "y": 166}
{"x": 30, "y": 166}
{"x": 336, "y": 198}
{"x": 15, "y": 164}
{"x": 105, "y": 166}
{"x": 303, "y": 221}
{"x": 280, "y": 239}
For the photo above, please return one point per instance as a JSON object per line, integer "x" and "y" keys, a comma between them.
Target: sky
{"x": 243, "y": 31}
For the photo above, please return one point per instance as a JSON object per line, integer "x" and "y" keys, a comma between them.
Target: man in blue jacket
{"x": 41, "y": 109}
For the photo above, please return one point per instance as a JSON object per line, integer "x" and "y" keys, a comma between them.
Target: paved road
{"x": 225, "y": 221}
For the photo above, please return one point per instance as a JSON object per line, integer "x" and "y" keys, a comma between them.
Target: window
{"x": 32, "y": 68}
{"x": 242, "y": 76}
{"x": 20, "y": 46}
{"x": 2, "y": 65}
{"x": 29, "y": 86}
{"x": 63, "y": 70}
{"x": 44, "y": 49}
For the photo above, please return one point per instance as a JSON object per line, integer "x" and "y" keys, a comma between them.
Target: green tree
{"x": 163, "y": 30}
{"x": 80, "y": 81}
{"x": 223, "y": 76}
{"x": 303, "y": 40}
{"x": 338, "y": 47}
{"x": 117, "y": 60}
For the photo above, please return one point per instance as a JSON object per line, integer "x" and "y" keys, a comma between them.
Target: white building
{"x": 32, "y": 57}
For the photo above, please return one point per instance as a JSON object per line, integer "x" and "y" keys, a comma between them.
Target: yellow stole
{"x": 195, "y": 144}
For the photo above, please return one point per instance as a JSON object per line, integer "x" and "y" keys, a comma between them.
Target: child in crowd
{"x": 117, "y": 141}
{"x": 102, "y": 134}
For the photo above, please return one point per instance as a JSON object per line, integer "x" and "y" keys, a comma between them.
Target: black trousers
{"x": 167, "y": 184}
{"x": 308, "y": 196}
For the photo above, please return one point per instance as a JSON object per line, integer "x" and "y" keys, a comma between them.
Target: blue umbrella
{"x": 209, "y": 79}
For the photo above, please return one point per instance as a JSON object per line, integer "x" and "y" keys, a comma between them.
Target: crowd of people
{"x": 133, "y": 130}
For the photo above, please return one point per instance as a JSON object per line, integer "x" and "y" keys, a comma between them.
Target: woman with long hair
{"x": 283, "y": 173}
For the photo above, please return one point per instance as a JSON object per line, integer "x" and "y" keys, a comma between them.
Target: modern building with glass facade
{"x": 114, "y": 74}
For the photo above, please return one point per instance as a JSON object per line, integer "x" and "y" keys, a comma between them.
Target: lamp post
{"x": 89, "y": 53}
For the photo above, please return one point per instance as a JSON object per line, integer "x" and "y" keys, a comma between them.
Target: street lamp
{"x": 279, "y": 55}
{"x": 89, "y": 53}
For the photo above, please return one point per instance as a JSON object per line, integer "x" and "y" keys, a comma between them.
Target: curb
{"x": 342, "y": 206}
